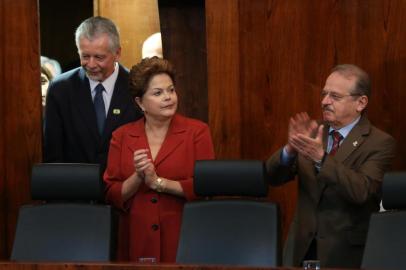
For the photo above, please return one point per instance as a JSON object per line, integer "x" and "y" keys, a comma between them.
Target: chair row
{"x": 233, "y": 224}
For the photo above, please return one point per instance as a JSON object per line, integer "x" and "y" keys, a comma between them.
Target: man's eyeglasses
{"x": 335, "y": 96}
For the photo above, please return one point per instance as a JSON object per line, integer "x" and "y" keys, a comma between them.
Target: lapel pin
{"x": 355, "y": 143}
{"x": 116, "y": 111}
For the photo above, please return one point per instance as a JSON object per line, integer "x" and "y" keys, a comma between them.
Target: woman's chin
{"x": 169, "y": 112}
{"x": 163, "y": 116}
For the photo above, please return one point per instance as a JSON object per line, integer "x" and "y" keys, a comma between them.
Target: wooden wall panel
{"x": 184, "y": 44}
{"x": 136, "y": 20}
{"x": 282, "y": 52}
{"x": 266, "y": 60}
{"x": 3, "y": 201}
{"x": 58, "y": 22}
{"x": 223, "y": 58}
{"x": 20, "y": 117}
{"x": 389, "y": 77}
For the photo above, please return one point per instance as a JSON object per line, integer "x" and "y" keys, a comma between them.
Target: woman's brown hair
{"x": 141, "y": 74}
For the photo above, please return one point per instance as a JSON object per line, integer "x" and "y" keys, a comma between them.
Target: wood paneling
{"x": 184, "y": 44}
{"x": 223, "y": 58}
{"x": 58, "y": 22}
{"x": 136, "y": 20}
{"x": 268, "y": 60}
{"x": 20, "y": 118}
{"x": 3, "y": 201}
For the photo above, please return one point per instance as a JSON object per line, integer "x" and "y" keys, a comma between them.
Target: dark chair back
{"x": 68, "y": 225}
{"x": 226, "y": 230}
{"x": 66, "y": 181}
{"x": 386, "y": 241}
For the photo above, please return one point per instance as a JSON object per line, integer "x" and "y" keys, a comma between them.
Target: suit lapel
{"x": 174, "y": 138}
{"x": 84, "y": 103}
{"x": 139, "y": 138}
{"x": 354, "y": 139}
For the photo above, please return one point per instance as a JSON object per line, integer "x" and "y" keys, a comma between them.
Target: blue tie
{"x": 99, "y": 107}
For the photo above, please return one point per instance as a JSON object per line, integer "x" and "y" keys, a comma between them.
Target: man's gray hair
{"x": 363, "y": 83}
{"x": 93, "y": 27}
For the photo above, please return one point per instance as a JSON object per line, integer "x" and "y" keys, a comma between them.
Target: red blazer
{"x": 150, "y": 221}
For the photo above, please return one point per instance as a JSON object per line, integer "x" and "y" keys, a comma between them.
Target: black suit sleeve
{"x": 53, "y": 132}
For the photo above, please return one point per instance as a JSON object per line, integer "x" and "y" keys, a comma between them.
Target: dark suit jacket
{"x": 335, "y": 204}
{"x": 71, "y": 133}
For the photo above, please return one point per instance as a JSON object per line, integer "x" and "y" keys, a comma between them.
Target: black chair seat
{"x": 228, "y": 229}
{"x": 386, "y": 242}
{"x": 64, "y": 232}
{"x": 68, "y": 226}
{"x": 229, "y": 232}
{"x": 385, "y": 247}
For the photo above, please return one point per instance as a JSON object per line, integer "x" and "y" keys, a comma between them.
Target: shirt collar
{"x": 345, "y": 130}
{"x": 108, "y": 83}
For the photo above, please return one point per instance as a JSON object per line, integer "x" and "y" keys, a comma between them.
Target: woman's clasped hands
{"x": 145, "y": 168}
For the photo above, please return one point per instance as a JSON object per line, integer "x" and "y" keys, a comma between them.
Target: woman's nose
{"x": 167, "y": 95}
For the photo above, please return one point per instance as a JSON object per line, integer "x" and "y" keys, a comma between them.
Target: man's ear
{"x": 118, "y": 54}
{"x": 362, "y": 103}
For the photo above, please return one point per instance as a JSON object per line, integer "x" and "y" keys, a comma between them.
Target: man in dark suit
{"x": 340, "y": 165}
{"x": 85, "y": 105}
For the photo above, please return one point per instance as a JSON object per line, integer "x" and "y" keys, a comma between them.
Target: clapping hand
{"x": 309, "y": 147}
{"x": 299, "y": 124}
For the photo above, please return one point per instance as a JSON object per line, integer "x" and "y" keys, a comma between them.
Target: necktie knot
{"x": 337, "y": 137}
{"x": 99, "y": 108}
{"x": 99, "y": 89}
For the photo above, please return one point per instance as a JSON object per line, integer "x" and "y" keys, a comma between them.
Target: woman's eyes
{"x": 159, "y": 92}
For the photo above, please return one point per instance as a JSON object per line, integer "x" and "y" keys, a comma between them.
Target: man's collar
{"x": 346, "y": 129}
{"x": 107, "y": 83}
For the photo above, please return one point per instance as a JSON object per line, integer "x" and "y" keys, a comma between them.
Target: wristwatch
{"x": 160, "y": 185}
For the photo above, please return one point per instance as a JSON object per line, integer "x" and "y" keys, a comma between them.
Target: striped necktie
{"x": 337, "y": 137}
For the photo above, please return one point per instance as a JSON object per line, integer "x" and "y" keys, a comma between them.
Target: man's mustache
{"x": 327, "y": 108}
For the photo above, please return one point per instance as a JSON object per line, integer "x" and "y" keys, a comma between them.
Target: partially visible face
{"x": 97, "y": 58}
{"x": 44, "y": 87}
{"x": 339, "y": 107}
{"x": 160, "y": 101}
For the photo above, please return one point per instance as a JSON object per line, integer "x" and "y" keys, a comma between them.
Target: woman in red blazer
{"x": 149, "y": 174}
